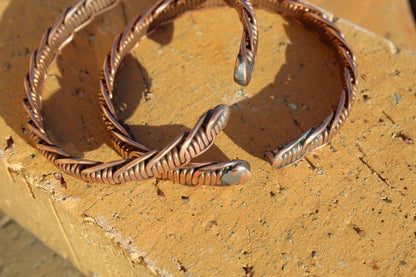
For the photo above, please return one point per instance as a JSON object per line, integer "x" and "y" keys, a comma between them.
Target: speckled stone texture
{"x": 347, "y": 210}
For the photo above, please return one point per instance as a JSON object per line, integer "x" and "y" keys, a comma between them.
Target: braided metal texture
{"x": 304, "y": 14}
{"x": 201, "y": 137}
{"x": 169, "y": 163}
{"x": 322, "y": 24}
{"x": 143, "y": 163}
{"x": 246, "y": 58}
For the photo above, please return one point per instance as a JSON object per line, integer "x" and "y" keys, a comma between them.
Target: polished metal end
{"x": 243, "y": 70}
{"x": 237, "y": 174}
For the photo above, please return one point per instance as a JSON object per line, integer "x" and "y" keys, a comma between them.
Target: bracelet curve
{"x": 145, "y": 163}
{"x": 195, "y": 142}
{"x": 304, "y": 14}
{"x": 121, "y": 171}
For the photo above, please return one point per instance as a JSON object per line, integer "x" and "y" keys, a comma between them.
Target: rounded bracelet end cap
{"x": 242, "y": 71}
{"x": 220, "y": 114}
{"x": 239, "y": 173}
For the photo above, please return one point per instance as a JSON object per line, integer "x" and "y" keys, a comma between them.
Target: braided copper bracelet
{"x": 143, "y": 163}
{"x": 196, "y": 142}
{"x": 285, "y": 155}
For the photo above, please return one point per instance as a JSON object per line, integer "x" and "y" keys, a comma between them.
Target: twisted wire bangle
{"x": 302, "y": 13}
{"x": 144, "y": 163}
{"x": 198, "y": 140}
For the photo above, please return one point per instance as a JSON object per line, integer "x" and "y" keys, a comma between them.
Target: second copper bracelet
{"x": 304, "y": 14}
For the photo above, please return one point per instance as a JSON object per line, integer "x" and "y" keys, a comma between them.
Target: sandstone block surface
{"x": 348, "y": 209}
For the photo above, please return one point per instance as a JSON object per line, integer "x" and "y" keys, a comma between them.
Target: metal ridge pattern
{"x": 171, "y": 162}
{"x": 143, "y": 163}
{"x": 222, "y": 174}
{"x": 322, "y": 24}
{"x": 302, "y": 13}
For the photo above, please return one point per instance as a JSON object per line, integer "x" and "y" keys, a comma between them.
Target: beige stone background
{"x": 348, "y": 209}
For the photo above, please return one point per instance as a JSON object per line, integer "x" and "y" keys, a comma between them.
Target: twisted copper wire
{"x": 304, "y": 14}
{"x": 322, "y": 24}
{"x": 137, "y": 169}
{"x": 198, "y": 140}
{"x": 143, "y": 163}
{"x": 246, "y": 58}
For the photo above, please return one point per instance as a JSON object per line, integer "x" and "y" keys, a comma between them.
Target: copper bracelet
{"x": 110, "y": 172}
{"x": 304, "y": 14}
{"x": 174, "y": 165}
{"x": 142, "y": 163}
